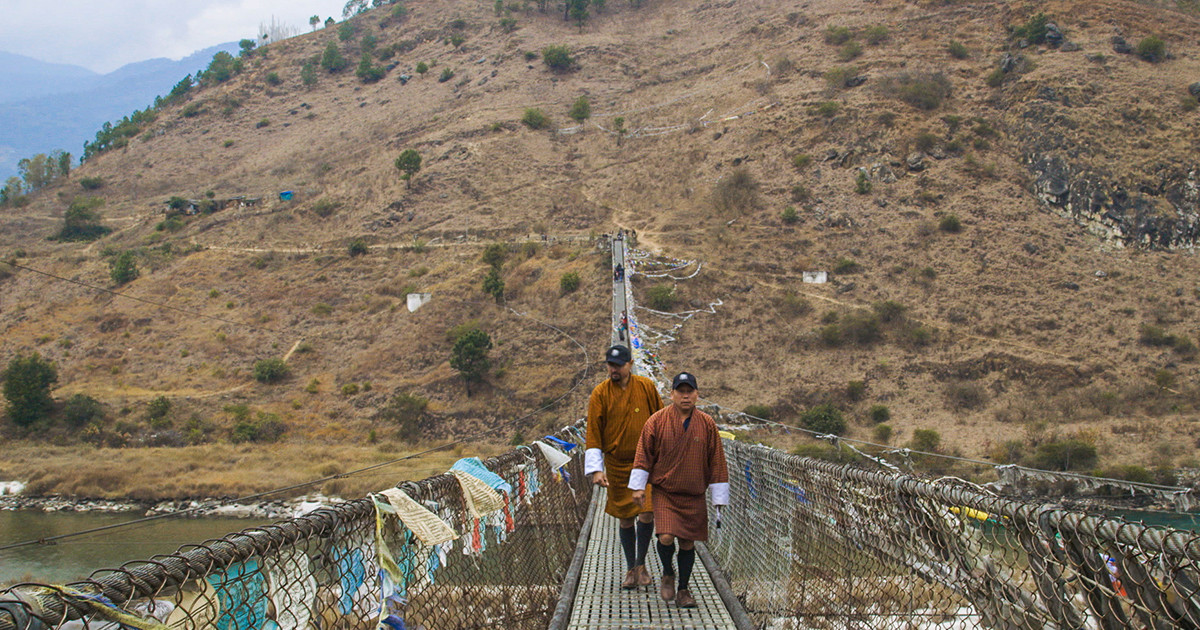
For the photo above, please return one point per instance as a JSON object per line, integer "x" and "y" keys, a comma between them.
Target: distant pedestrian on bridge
{"x": 681, "y": 455}
{"x": 617, "y": 410}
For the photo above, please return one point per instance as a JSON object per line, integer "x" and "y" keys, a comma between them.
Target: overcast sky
{"x": 103, "y": 35}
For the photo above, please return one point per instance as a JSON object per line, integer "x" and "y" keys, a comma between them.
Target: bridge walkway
{"x": 601, "y": 603}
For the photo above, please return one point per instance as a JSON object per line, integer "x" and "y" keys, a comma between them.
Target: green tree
{"x": 824, "y": 419}
{"x": 222, "y": 68}
{"x": 13, "y": 191}
{"x": 409, "y": 163}
{"x": 493, "y": 285}
{"x": 422, "y": 67}
{"x": 82, "y": 409}
{"x": 495, "y": 254}
{"x": 569, "y": 282}
{"x": 314, "y": 21}
{"x": 581, "y": 110}
{"x": 470, "y": 355}
{"x": 271, "y": 370}
{"x": 247, "y": 46}
{"x": 332, "y": 59}
{"x": 39, "y": 171}
{"x": 578, "y": 10}
{"x": 308, "y": 74}
{"x": 81, "y": 221}
{"x": 357, "y": 247}
{"x": 123, "y": 267}
{"x": 27, "y": 382}
{"x": 329, "y": 22}
{"x": 558, "y": 58}
{"x": 406, "y": 411}
{"x": 1152, "y": 49}
{"x": 368, "y": 72}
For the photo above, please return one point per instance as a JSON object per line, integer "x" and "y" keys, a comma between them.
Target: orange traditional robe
{"x": 682, "y": 464}
{"x": 614, "y": 423}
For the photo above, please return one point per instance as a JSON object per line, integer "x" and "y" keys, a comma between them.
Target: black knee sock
{"x": 687, "y": 558}
{"x": 627, "y": 543}
{"x": 644, "y": 532}
{"x": 665, "y": 552}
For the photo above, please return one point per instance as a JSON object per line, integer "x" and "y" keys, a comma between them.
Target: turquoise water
{"x": 76, "y": 558}
{"x": 1176, "y": 520}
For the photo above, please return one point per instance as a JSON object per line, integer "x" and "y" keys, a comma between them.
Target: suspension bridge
{"x": 518, "y": 541}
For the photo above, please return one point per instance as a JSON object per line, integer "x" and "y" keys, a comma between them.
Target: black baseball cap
{"x": 618, "y": 355}
{"x": 684, "y": 378}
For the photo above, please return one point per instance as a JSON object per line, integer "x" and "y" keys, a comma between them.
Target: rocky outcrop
{"x": 1165, "y": 216}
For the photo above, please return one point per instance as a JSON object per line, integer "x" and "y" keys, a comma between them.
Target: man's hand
{"x": 600, "y": 479}
{"x": 639, "y": 497}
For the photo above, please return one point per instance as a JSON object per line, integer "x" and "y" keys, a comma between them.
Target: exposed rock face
{"x": 1167, "y": 216}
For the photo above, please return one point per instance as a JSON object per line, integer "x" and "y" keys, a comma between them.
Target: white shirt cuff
{"x": 720, "y": 493}
{"x": 593, "y": 461}
{"x": 638, "y": 479}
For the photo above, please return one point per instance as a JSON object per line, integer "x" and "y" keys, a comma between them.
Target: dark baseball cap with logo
{"x": 684, "y": 378}
{"x": 618, "y": 355}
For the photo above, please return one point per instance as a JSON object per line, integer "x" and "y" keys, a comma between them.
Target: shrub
{"x": 795, "y": 305}
{"x": 882, "y": 433}
{"x": 846, "y": 266}
{"x": 535, "y": 118}
{"x": 925, "y": 440}
{"x": 494, "y": 255}
{"x": 325, "y": 207}
{"x": 270, "y": 370}
{"x": 921, "y": 90}
{"x": 861, "y": 327}
{"x": 581, "y": 110}
{"x": 827, "y": 109}
{"x": 91, "y": 183}
{"x": 273, "y": 78}
{"x": 876, "y": 34}
{"x": 760, "y": 411}
{"x": 849, "y": 51}
{"x": 889, "y": 310}
{"x": 123, "y": 268}
{"x": 837, "y": 78}
{"x": 346, "y": 31}
{"x": 950, "y": 223}
{"x": 801, "y": 160}
{"x": 1034, "y": 31}
{"x": 266, "y": 427}
{"x": 736, "y": 192}
{"x": 81, "y": 409}
{"x": 1152, "y": 49}
{"x": 27, "y": 381}
{"x": 660, "y": 297}
{"x": 1152, "y": 335}
{"x": 800, "y": 194}
{"x": 862, "y": 183}
{"x": 569, "y": 282}
{"x": 1070, "y": 454}
{"x": 879, "y": 414}
{"x": 422, "y": 67}
{"x": 855, "y": 390}
{"x": 830, "y": 335}
{"x": 158, "y": 408}
{"x": 995, "y": 78}
{"x": 405, "y": 410}
{"x": 262, "y": 123}
{"x": 368, "y": 72}
{"x": 349, "y": 389}
{"x": 357, "y": 247}
{"x": 789, "y": 215}
{"x": 332, "y": 59}
{"x": 823, "y": 419}
{"x": 558, "y": 58}
{"x": 508, "y": 24}
{"x": 965, "y": 395}
{"x": 838, "y": 35}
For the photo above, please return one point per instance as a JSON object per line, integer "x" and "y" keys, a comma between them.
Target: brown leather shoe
{"x": 631, "y": 580}
{"x": 684, "y": 599}
{"x": 643, "y": 576}
{"x": 667, "y": 590}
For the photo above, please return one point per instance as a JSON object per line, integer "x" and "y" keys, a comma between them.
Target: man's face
{"x": 619, "y": 373}
{"x": 685, "y": 397}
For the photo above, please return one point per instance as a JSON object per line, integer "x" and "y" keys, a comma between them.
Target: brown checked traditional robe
{"x": 682, "y": 463}
{"x": 614, "y": 422}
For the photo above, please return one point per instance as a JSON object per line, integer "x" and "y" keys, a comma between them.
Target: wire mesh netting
{"x": 812, "y": 544}
{"x": 359, "y": 564}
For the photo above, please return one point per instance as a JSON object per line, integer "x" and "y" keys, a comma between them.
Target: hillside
{"x": 1027, "y": 244}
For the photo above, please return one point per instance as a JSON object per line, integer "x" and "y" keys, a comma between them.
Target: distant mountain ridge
{"x": 46, "y": 106}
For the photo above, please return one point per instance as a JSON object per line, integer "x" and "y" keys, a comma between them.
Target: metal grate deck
{"x": 601, "y": 603}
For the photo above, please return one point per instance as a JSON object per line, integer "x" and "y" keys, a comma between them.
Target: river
{"x": 75, "y": 558}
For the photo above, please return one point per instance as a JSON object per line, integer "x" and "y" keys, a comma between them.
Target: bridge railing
{"x": 322, "y": 571}
{"x": 809, "y": 543}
